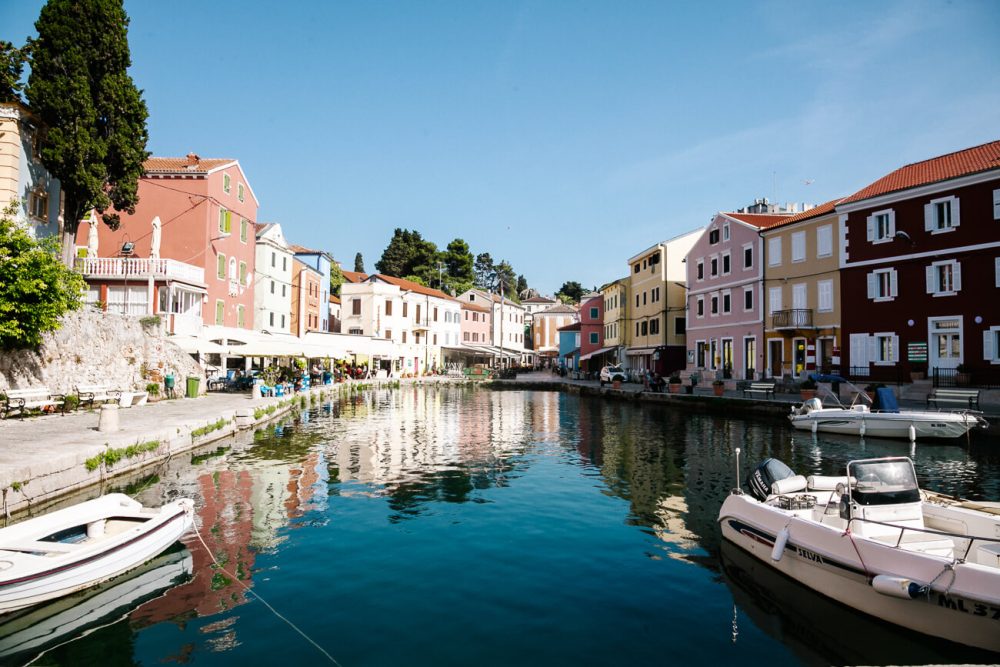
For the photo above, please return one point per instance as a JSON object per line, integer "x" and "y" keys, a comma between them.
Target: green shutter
{"x": 221, "y": 266}
{"x": 229, "y": 222}
{"x": 243, "y": 273}
{"x": 220, "y": 312}
{"x": 243, "y": 229}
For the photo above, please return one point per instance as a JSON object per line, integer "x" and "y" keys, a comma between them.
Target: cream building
{"x": 22, "y": 176}
{"x": 545, "y": 329}
{"x": 272, "y": 297}
{"x": 617, "y": 329}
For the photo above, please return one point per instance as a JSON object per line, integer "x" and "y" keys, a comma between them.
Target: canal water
{"x": 456, "y": 526}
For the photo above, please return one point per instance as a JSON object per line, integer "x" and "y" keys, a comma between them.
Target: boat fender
{"x": 845, "y": 507}
{"x": 898, "y": 587}
{"x": 789, "y": 485}
{"x": 861, "y": 431}
{"x": 779, "y": 545}
{"x": 912, "y": 433}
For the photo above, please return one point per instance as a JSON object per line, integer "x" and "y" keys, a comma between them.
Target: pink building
{"x": 475, "y": 324}
{"x": 592, "y": 332}
{"x": 187, "y": 253}
{"x": 725, "y": 268}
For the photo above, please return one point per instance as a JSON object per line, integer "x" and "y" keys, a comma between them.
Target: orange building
{"x": 306, "y": 298}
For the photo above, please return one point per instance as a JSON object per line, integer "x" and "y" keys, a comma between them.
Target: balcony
{"x": 796, "y": 318}
{"x": 135, "y": 267}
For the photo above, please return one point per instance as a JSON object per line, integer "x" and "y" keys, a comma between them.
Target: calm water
{"x": 457, "y": 527}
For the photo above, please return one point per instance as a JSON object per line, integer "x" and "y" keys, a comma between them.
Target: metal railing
{"x": 795, "y": 317}
{"x": 981, "y": 378}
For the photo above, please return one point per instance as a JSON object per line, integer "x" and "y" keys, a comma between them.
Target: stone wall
{"x": 94, "y": 347}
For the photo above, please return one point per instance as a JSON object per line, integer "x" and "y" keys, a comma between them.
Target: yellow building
{"x": 802, "y": 293}
{"x": 616, "y": 323}
{"x": 657, "y": 298}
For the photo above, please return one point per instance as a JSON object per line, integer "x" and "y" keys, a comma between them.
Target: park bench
{"x": 97, "y": 393}
{"x": 766, "y": 388}
{"x": 967, "y": 398}
{"x": 37, "y": 398}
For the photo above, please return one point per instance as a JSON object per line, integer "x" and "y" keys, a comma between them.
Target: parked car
{"x": 611, "y": 374}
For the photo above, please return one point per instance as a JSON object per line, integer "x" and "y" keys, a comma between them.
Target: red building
{"x": 920, "y": 269}
{"x": 592, "y": 332}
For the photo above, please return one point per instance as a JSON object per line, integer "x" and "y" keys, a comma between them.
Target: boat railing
{"x": 956, "y": 538}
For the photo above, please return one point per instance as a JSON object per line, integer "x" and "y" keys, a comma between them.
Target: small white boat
{"x": 873, "y": 541}
{"x": 77, "y": 547}
{"x": 826, "y": 414}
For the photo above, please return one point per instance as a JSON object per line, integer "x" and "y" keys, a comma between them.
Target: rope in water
{"x": 264, "y": 602}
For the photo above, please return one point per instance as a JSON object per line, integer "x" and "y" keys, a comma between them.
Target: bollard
{"x": 109, "y": 418}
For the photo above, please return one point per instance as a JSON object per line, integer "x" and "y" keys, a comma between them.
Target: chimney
{"x": 193, "y": 159}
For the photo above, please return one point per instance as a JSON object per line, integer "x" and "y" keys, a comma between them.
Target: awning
{"x": 193, "y": 345}
{"x": 595, "y": 353}
{"x": 639, "y": 351}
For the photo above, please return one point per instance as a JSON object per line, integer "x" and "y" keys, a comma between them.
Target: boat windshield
{"x": 846, "y": 391}
{"x": 884, "y": 482}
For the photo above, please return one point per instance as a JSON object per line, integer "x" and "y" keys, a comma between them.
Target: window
{"x": 388, "y": 307}
{"x": 282, "y": 321}
{"x": 38, "y": 205}
{"x": 991, "y": 345}
{"x": 824, "y": 289}
{"x": 239, "y": 191}
{"x": 748, "y": 257}
{"x": 636, "y": 328}
{"x": 798, "y": 246}
{"x": 274, "y": 259}
{"x": 725, "y": 231}
{"x": 727, "y": 304}
{"x": 418, "y": 314}
{"x": 594, "y": 337}
{"x": 774, "y": 251}
{"x": 404, "y": 336}
{"x": 747, "y": 298}
{"x": 240, "y": 312}
{"x": 701, "y": 270}
{"x": 680, "y": 326}
{"x": 465, "y": 336}
{"x": 594, "y": 313}
{"x": 225, "y": 221}
{"x": 355, "y": 306}
{"x": 284, "y": 263}
{"x": 244, "y": 225}
{"x": 220, "y": 311}
{"x": 243, "y": 273}
{"x": 435, "y": 314}
{"x": 881, "y": 226}
{"x": 272, "y": 319}
{"x": 355, "y": 331}
{"x": 715, "y": 304}
{"x": 824, "y": 241}
{"x": 701, "y": 307}
{"x": 941, "y": 215}
{"x": 774, "y": 299}
{"x": 886, "y": 348}
{"x": 404, "y": 308}
{"x": 644, "y": 297}
{"x": 944, "y": 278}
{"x": 220, "y": 266}
{"x": 654, "y": 327}
{"x": 882, "y": 285}
{"x": 635, "y": 269}
{"x": 636, "y": 300}
{"x": 726, "y": 264}
{"x": 996, "y": 204}
{"x": 713, "y": 237}
{"x": 701, "y": 349}
{"x": 226, "y": 183}
{"x": 715, "y": 266}
{"x": 645, "y": 328}
{"x": 284, "y": 289}
{"x": 996, "y": 270}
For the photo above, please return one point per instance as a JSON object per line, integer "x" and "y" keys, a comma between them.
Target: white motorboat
{"x": 77, "y": 547}
{"x": 826, "y": 414}
{"x": 872, "y": 540}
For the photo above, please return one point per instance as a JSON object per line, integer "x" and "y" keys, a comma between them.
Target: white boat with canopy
{"x": 872, "y": 540}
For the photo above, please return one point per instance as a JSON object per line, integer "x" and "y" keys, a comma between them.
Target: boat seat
{"x": 41, "y": 547}
{"x": 927, "y": 543}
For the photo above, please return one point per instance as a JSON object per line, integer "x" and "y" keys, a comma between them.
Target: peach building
{"x": 306, "y": 296}
{"x": 475, "y": 324}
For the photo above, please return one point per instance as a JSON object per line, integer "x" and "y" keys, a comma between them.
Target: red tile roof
{"x": 474, "y": 306}
{"x": 760, "y": 220}
{"x": 942, "y": 168}
{"x": 355, "y": 276}
{"x": 334, "y": 298}
{"x": 413, "y": 287}
{"x": 183, "y": 165}
{"x": 539, "y": 299}
{"x": 814, "y": 212}
{"x": 570, "y": 327}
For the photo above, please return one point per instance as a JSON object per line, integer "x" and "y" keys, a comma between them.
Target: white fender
{"x": 815, "y": 424}
{"x": 913, "y": 433}
{"x": 897, "y": 587}
{"x": 861, "y": 432}
{"x": 779, "y": 545}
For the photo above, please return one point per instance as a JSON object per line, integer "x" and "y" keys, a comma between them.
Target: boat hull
{"x": 963, "y": 604}
{"x": 27, "y": 580}
{"x": 885, "y": 424}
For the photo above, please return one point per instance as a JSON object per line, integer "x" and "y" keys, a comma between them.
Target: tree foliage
{"x": 570, "y": 292}
{"x": 93, "y": 117}
{"x": 485, "y": 272}
{"x": 336, "y": 278}
{"x": 36, "y": 289}
{"x": 409, "y": 254}
{"x": 359, "y": 263}
{"x": 458, "y": 262}
{"x": 12, "y": 61}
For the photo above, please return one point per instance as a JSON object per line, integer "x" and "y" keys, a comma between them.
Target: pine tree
{"x": 93, "y": 117}
{"x": 359, "y": 263}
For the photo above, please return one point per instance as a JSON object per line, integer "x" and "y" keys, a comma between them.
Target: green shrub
{"x": 153, "y": 388}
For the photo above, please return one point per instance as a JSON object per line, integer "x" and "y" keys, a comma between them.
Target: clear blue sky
{"x": 561, "y": 136}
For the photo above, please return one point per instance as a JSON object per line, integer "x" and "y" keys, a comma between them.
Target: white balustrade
{"x": 140, "y": 267}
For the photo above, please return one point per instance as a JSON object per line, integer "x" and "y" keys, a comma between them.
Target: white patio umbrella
{"x": 92, "y": 236}
{"x": 154, "y": 249}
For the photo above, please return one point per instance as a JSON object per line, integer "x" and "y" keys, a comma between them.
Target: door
{"x": 749, "y": 358}
{"x": 727, "y": 357}
{"x": 945, "y": 346}
{"x": 798, "y": 356}
{"x": 775, "y": 352}
{"x": 824, "y": 354}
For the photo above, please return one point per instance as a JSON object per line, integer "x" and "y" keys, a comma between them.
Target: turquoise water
{"x": 456, "y": 527}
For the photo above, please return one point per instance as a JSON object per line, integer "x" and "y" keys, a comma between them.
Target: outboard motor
{"x": 766, "y": 474}
{"x": 808, "y": 406}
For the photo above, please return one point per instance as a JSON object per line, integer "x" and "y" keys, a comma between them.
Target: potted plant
{"x": 674, "y": 383}
{"x": 808, "y": 389}
{"x": 963, "y": 375}
{"x": 718, "y": 386}
{"x": 917, "y": 371}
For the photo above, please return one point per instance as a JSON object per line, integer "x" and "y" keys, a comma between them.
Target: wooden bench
{"x": 766, "y": 388}
{"x": 93, "y": 393}
{"x": 967, "y": 398}
{"x": 30, "y": 399}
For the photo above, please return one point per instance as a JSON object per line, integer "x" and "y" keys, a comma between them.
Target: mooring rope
{"x": 264, "y": 602}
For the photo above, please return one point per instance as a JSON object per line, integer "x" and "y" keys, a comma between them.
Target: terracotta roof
{"x": 474, "y": 306}
{"x": 570, "y": 327}
{"x": 334, "y": 298}
{"x": 539, "y": 299}
{"x": 942, "y": 168}
{"x": 557, "y": 310}
{"x": 760, "y": 220}
{"x": 302, "y": 250}
{"x": 814, "y": 212}
{"x": 413, "y": 287}
{"x": 183, "y": 165}
{"x": 355, "y": 276}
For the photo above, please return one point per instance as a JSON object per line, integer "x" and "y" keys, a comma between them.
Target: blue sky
{"x": 561, "y": 136}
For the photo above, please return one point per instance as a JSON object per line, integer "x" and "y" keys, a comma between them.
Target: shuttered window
{"x": 774, "y": 251}
{"x": 798, "y": 246}
{"x": 883, "y": 285}
{"x": 991, "y": 345}
{"x": 881, "y": 226}
{"x": 824, "y": 289}
{"x": 944, "y": 278}
{"x": 941, "y": 215}
{"x": 824, "y": 241}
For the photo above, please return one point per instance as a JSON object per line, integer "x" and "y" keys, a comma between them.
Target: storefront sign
{"x": 916, "y": 351}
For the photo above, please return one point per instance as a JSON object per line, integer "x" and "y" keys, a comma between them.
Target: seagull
{"x": 809, "y": 181}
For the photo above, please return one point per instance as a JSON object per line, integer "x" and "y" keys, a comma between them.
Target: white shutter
{"x": 931, "y": 279}
{"x": 872, "y": 349}
{"x": 988, "y": 351}
{"x": 928, "y": 217}
{"x": 871, "y": 228}
{"x": 871, "y": 285}
{"x": 996, "y": 204}
{"x": 895, "y": 348}
{"x": 859, "y": 350}
{"x": 893, "y": 285}
{"x": 956, "y": 276}
{"x": 997, "y": 268}
{"x": 955, "y": 217}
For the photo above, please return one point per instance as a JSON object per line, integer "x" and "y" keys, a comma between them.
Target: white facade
{"x": 272, "y": 301}
{"x": 507, "y": 320}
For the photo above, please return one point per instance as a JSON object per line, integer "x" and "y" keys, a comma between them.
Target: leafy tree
{"x": 37, "y": 288}
{"x": 408, "y": 253}
{"x": 336, "y": 278}
{"x": 12, "y": 62}
{"x": 506, "y": 279}
{"x": 485, "y": 272}
{"x": 570, "y": 292}
{"x": 458, "y": 262}
{"x": 522, "y": 287}
{"x": 93, "y": 117}
{"x": 359, "y": 263}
